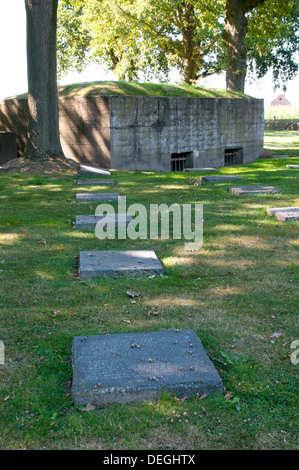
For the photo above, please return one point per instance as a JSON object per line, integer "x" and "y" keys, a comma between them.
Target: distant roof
{"x": 280, "y": 101}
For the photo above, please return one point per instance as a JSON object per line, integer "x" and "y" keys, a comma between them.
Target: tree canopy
{"x": 147, "y": 38}
{"x": 273, "y": 40}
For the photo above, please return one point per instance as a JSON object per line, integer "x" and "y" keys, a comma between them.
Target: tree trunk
{"x": 234, "y": 34}
{"x": 43, "y": 133}
{"x": 190, "y": 66}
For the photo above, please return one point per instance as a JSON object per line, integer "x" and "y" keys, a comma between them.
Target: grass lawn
{"x": 282, "y": 142}
{"x": 239, "y": 294}
{"x": 142, "y": 89}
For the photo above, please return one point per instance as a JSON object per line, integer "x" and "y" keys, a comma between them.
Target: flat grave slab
{"x": 102, "y": 182}
{"x": 253, "y": 189}
{"x": 220, "y": 178}
{"x": 118, "y": 264}
{"x": 201, "y": 169}
{"x": 295, "y": 167}
{"x": 87, "y": 197}
{"x": 92, "y": 170}
{"x": 121, "y": 368}
{"x": 90, "y": 221}
{"x": 284, "y": 214}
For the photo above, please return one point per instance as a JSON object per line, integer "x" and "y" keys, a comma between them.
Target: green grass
{"x": 235, "y": 293}
{"x": 282, "y": 142}
{"x": 142, "y": 89}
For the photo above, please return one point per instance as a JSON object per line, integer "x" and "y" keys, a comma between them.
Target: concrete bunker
{"x": 150, "y": 132}
{"x": 180, "y": 161}
{"x": 233, "y": 156}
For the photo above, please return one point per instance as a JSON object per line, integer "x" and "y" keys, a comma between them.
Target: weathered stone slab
{"x": 91, "y": 170}
{"x": 99, "y": 197}
{"x": 295, "y": 167}
{"x": 103, "y": 182}
{"x": 118, "y": 263}
{"x": 201, "y": 169}
{"x": 221, "y": 178}
{"x": 129, "y": 367}
{"x": 284, "y": 214}
{"x": 90, "y": 221}
{"x": 253, "y": 189}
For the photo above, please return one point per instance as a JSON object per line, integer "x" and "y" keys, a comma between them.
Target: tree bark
{"x": 190, "y": 66}
{"x": 234, "y": 35}
{"x": 43, "y": 140}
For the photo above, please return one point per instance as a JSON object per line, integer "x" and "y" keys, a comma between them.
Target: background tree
{"x": 73, "y": 40}
{"x": 272, "y": 39}
{"x": 43, "y": 132}
{"x": 146, "y": 38}
{"x": 149, "y": 36}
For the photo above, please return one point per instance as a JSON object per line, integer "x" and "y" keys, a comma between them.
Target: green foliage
{"x": 145, "y": 39}
{"x": 273, "y": 41}
{"x": 145, "y": 35}
{"x": 73, "y": 40}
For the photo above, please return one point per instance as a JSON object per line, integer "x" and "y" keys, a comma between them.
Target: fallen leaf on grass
{"x": 132, "y": 294}
{"x": 151, "y": 312}
{"x": 180, "y": 399}
{"x": 89, "y": 407}
{"x": 228, "y": 396}
{"x": 203, "y": 396}
{"x": 276, "y": 335}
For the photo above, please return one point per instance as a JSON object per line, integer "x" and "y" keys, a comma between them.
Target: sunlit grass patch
{"x": 238, "y": 293}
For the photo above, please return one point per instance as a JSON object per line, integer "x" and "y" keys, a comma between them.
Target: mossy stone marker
{"x": 92, "y": 170}
{"x": 96, "y": 197}
{"x": 97, "y": 182}
{"x": 253, "y": 189}
{"x": 129, "y": 367}
{"x": 284, "y": 214}
{"x": 118, "y": 263}
{"x": 90, "y": 221}
{"x": 220, "y": 178}
{"x": 201, "y": 169}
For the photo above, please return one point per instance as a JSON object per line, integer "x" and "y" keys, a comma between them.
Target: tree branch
{"x": 250, "y": 4}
